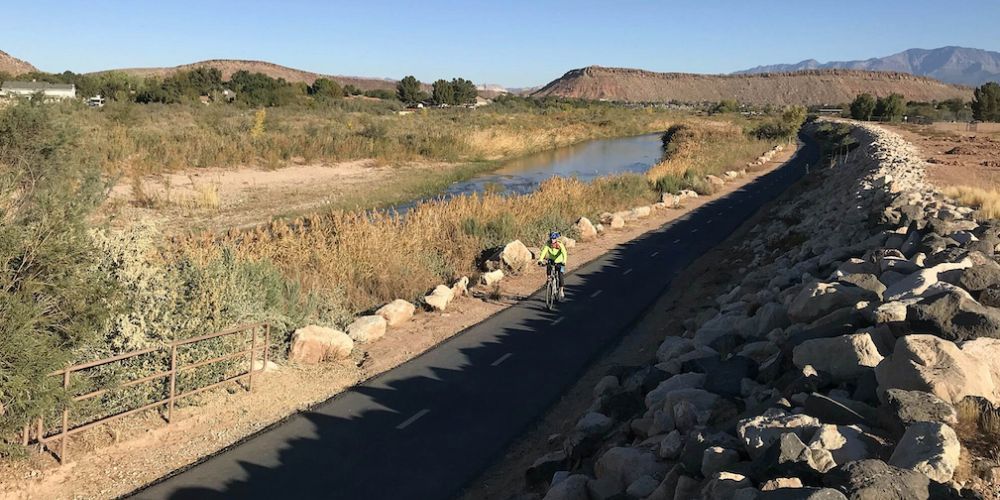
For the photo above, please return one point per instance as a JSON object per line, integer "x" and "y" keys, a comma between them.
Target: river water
{"x": 585, "y": 161}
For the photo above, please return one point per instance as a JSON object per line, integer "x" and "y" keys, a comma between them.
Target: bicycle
{"x": 551, "y": 284}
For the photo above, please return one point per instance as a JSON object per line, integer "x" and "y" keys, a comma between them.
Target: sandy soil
{"x": 957, "y": 156}
{"x": 112, "y": 460}
{"x": 216, "y": 199}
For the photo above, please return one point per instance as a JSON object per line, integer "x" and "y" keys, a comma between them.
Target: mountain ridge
{"x": 810, "y": 87}
{"x": 14, "y": 66}
{"x": 950, "y": 64}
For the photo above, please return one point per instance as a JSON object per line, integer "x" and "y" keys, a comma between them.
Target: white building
{"x": 48, "y": 90}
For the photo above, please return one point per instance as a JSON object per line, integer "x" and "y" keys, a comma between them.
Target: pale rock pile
{"x": 830, "y": 370}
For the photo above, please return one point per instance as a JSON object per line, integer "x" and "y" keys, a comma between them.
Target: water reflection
{"x": 586, "y": 161}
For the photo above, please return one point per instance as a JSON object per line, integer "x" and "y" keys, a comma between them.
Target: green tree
{"x": 351, "y": 90}
{"x": 325, "y": 88}
{"x": 54, "y": 302}
{"x": 385, "y": 94}
{"x": 890, "y": 108}
{"x": 408, "y": 90}
{"x": 954, "y": 105}
{"x": 465, "y": 91}
{"x": 986, "y": 102}
{"x": 443, "y": 93}
{"x": 863, "y": 106}
{"x": 726, "y": 106}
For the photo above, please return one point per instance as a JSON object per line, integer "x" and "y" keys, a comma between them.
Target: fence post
{"x": 24, "y": 435}
{"x": 267, "y": 342}
{"x": 173, "y": 383}
{"x": 40, "y": 434}
{"x": 253, "y": 354}
{"x": 65, "y": 422}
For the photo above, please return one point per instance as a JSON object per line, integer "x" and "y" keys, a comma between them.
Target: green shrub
{"x": 54, "y": 300}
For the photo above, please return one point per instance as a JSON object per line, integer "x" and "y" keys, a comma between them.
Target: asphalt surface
{"x": 430, "y": 426}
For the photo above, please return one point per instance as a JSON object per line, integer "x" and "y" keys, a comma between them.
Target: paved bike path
{"x": 426, "y": 428}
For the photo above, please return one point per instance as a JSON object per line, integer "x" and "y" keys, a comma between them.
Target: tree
{"x": 443, "y": 93}
{"x": 465, "y": 91}
{"x": 408, "y": 90}
{"x": 351, "y": 90}
{"x": 955, "y": 105}
{"x": 986, "y": 102}
{"x": 863, "y": 106}
{"x": 325, "y": 88}
{"x": 726, "y": 106}
{"x": 890, "y": 108}
{"x": 384, "y": 94}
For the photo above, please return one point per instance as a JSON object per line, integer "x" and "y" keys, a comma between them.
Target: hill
{"x": 14, "y": 66}
{"x": 960, "y": 65}
{"x": 230, "y": 66}
{"x": 815, "y": 87}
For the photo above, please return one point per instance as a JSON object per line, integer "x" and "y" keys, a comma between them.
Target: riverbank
{"x": 114, "y": 459}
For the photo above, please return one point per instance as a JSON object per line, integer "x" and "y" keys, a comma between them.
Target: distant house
{"x": 50, "y": 91}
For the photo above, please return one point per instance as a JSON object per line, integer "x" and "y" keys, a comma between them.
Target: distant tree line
{"x": 251, "y": 89}
{"x": 985, "y": 106}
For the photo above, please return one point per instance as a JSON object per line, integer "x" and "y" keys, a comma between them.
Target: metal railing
{"x": 45, "y": 440}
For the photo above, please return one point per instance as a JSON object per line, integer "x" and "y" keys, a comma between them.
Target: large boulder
{"x": 877, "y": 480}
{"x": 846, "y": 443}
{"x": 491, "y": 278}
{"x": 760, "y": 432}
{"x": 987, "y": 352}
{"x": 515, "y": 256}
{"x": 439, "y": 299}
{"x": 845, "y": 357}
{"x": 624, "y": 466}
{"x": 818, "y": 299}
{"x": 931, "y": 364}
{"x": 921, "y": 281}
{"x": 397, "y": 312}
{"x": 928, "y": 447}
{"x": 910, "y": 407}
{"x": 367, "y": 328}
{"x": 585, "y": 229}
{"x": 312, "y": 344}
{"x": 572, "y": 488}
{"x": 954, "y": 315}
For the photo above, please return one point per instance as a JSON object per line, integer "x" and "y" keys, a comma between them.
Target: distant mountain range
{"x": 959, "y": 65}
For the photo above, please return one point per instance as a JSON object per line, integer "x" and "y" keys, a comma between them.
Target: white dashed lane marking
{"x": 595, "y": 294}
{"x": 501, "y": 359}
{"x": 406, "y": 423}
{"x": 654, "y": 254}
{"x": 627, "y": 271}
{"x": 558, "y": 320}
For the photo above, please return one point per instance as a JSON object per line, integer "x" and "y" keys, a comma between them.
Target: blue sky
{"x": 514, "y": 43}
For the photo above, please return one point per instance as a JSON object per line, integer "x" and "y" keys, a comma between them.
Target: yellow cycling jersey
{"x": 557, "y": 256}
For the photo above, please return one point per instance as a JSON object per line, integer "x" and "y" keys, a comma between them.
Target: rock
{"x": 723, "y": 485}
{"x": 781, "y": 482}
{"x": 918, "y": 283}
{"x": 802, "y": 494}
{"x": 687, "y": 487}
{"x": 846, "y": 443}
{"x": 877, "y": 480}
{"x": 954, "y": 316}
{"x": 930, "y": 364}
{"x": 515, "y": 256}
{"x": 617, "y": 222}
{"x": 461, "y": 287}
{"x": 439, "y": 298}
{"x": 585, "y": 229}
{"x": 397, "y": 312}
{"x": 819, "y": 299}
{"x": 572, "y": 488}
{"x": 930, "y": 448}
{"x": 258, "y": 365}
{"x": 987, "y": 352}
{"x": 716, "y": 459}
{"x": 715, "y": 181}
{"x": 541, "y": 470}
{"x": 768, "y": 317}
{"x": 671, "y": 445}
{"x": 491, "y": 278}
{"x": 624, "y": 466}
{"x": 760, "y": 432}
{"x": 642, "y": 487}
{"x": 594, "y": 423}
{"x": 642, "y": 212}
{"x": 829, "y": 410}
{"x": 845, "y": 357}
{"x": 606, "y": 386}
{"x": 919, "y": 406}
{"x": 672, "y": 347}
{"x": 981, "y": 276}
{"x": 865, "y": 281}
{"x": 790, "y": 457}
{"x": 313, "y": 344}
{"x": 367, "y": 328}
{"x": 656, "y": 397}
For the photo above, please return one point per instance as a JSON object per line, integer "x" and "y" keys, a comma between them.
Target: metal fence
{"x": 255, "y": 331}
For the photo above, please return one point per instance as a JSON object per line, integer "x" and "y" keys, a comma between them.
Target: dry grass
{"x": 372, "y": 258}
{"x": 979, "y": 427}
{"x": 985, "y": 201}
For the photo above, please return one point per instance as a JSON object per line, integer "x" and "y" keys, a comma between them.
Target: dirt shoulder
{"x": 113, "y": 460}
{"x": 955, "y": 155}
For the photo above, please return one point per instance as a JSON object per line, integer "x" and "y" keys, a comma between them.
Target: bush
{"x": 863, "y": 106}
{"x": 986, "y": 102}
{"x": 54, "y": 300}
{"x": 890, "y": 108}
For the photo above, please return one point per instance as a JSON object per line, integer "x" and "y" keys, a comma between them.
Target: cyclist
{"x": 554, "y": 254}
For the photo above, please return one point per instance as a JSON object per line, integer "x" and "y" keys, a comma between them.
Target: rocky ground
{"x": 855, "y": 356}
